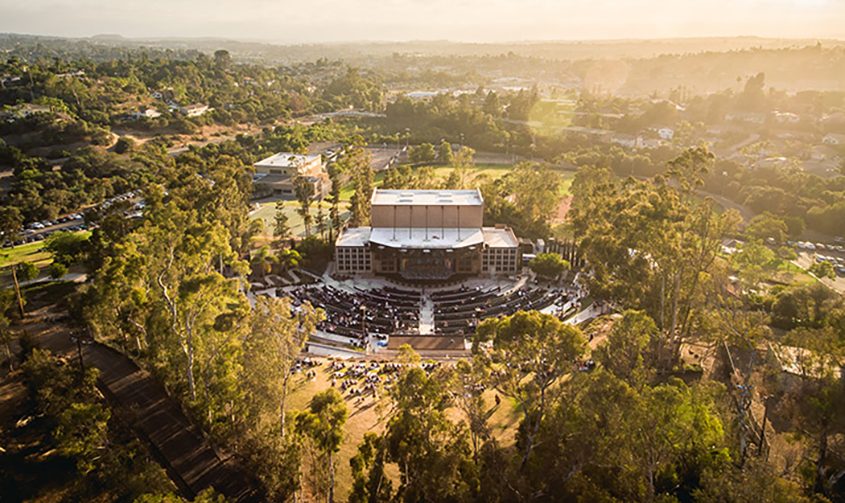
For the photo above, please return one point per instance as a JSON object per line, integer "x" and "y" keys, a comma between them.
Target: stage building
{"x": 427, "y": 235}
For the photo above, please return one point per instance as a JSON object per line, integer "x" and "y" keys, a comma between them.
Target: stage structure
{"x": 427, "y": 235}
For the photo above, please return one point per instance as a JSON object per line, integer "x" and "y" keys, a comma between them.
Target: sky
{"x": 310, "y": 21}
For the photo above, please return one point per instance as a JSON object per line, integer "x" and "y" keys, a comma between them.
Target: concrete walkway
{"x": 427, "y": 316}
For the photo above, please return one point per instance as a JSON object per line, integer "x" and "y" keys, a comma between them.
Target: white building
{"x": 427, "y": 235}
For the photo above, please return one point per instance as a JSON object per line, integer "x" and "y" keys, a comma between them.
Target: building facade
{"x": 279, "y": 173}
{"x": 427, "y": 235}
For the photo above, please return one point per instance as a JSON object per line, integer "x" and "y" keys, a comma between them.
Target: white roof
{"x": 427, "y": 197}
{"x": 495, "y": 237}
{"x": 422, "y": 238}
{"x": 433, "y": 238}
{"x": 286, "y": 160}
{"x": 354, "y": 236}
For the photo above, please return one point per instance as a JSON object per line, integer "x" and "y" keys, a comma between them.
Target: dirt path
{"x": 188, "y": 457}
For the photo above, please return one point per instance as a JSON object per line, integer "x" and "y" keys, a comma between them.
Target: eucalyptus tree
{"x": 527, "y": 354}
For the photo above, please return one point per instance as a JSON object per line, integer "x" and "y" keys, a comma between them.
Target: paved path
{"x": 427, "y": 316}
{"x": 189, "y": 458}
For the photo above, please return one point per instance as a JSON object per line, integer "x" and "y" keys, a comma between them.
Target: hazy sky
{"x": 467, "y": 20}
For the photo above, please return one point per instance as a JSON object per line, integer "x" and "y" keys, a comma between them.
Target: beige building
{"x": 278, "y": 173}
{"x": 427, "y": 235}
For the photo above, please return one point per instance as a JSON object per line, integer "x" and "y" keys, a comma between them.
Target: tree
{"x": 323, "y": 422}
{"x": 334, "y": 200}
{"x": 755, "y": 263}
{"x": 370, "y": 483}
{"x": 444, "y": 153}
{"x": 82, "y": 434}
{"x": 262, "y": 262}
{"x": 357, "y": 164}
{"x": 423, "y": 153}
{"x": 281, "y": 230}
{"x": 608, "y": 441}
{"x": 767, "y": 226}
{"x": 816, "y": 406}
{"x": 304, "y": 194}
{"x": 289, "y": 259}
{"x": 22, "y": 271}
{"x": 462, "y": 164}
{"x": 805, "y": 306}
{"x": 27, "y": 271}
{"x": 649, "y": 243}
{"x": 430, "y": 450}
{"x": 67, "y": 248}
{"x": 548, "y": 265}
{"x": 57, "y": 270}
{"x": 526, "y": 198}
{"x": 11, "y": 223}
{"x": 530, "y": 352}
{"x": 7, "y": 302}
{"x": 124, "y": 145}
{"x": 629, "y": 351}
{"x": 823, "y": 269}
{"x": 222, "y": 59}
{"x": 755, "y": 481}
{"x": 270, "y": 350}
{"x": 321, "y": 221}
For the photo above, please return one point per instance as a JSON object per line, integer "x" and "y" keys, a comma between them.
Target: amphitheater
{"x": 426, "y": 273}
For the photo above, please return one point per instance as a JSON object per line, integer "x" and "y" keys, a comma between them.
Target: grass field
{"x": 29, "y": 252}
{"x": 267, "y": 213}
{"x": 496, "y": 171}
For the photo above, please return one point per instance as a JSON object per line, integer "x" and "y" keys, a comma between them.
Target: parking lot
{"x": 73, "y": 222}
{"x": 834, "y": 253}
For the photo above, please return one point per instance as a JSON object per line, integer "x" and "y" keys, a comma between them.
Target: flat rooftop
{"x": 422, "y": 238}
{"x": 286, "y": 160}
{"x": 354, "y": 236}
{"x": 496, "y": 237}
{"x": 427, "y": 197}
{"x": 432, "y": 238}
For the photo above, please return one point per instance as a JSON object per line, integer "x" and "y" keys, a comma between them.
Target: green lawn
{"x": 348, "y": 189}
{"x": 792, "y": 274}
{"x": 496, "y": 171}
{"x": 493, "y": 171}
{"x": 29, "y": 252}
{"x": 267, "y": 212}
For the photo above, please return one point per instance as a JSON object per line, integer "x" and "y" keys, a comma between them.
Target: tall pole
{"x": 18, "y": 290}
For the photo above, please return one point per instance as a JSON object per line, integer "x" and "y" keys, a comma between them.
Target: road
{"x": 805, "y": 260}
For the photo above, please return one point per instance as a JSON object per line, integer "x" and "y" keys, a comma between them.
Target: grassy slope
{"x": 370, "y": 416}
